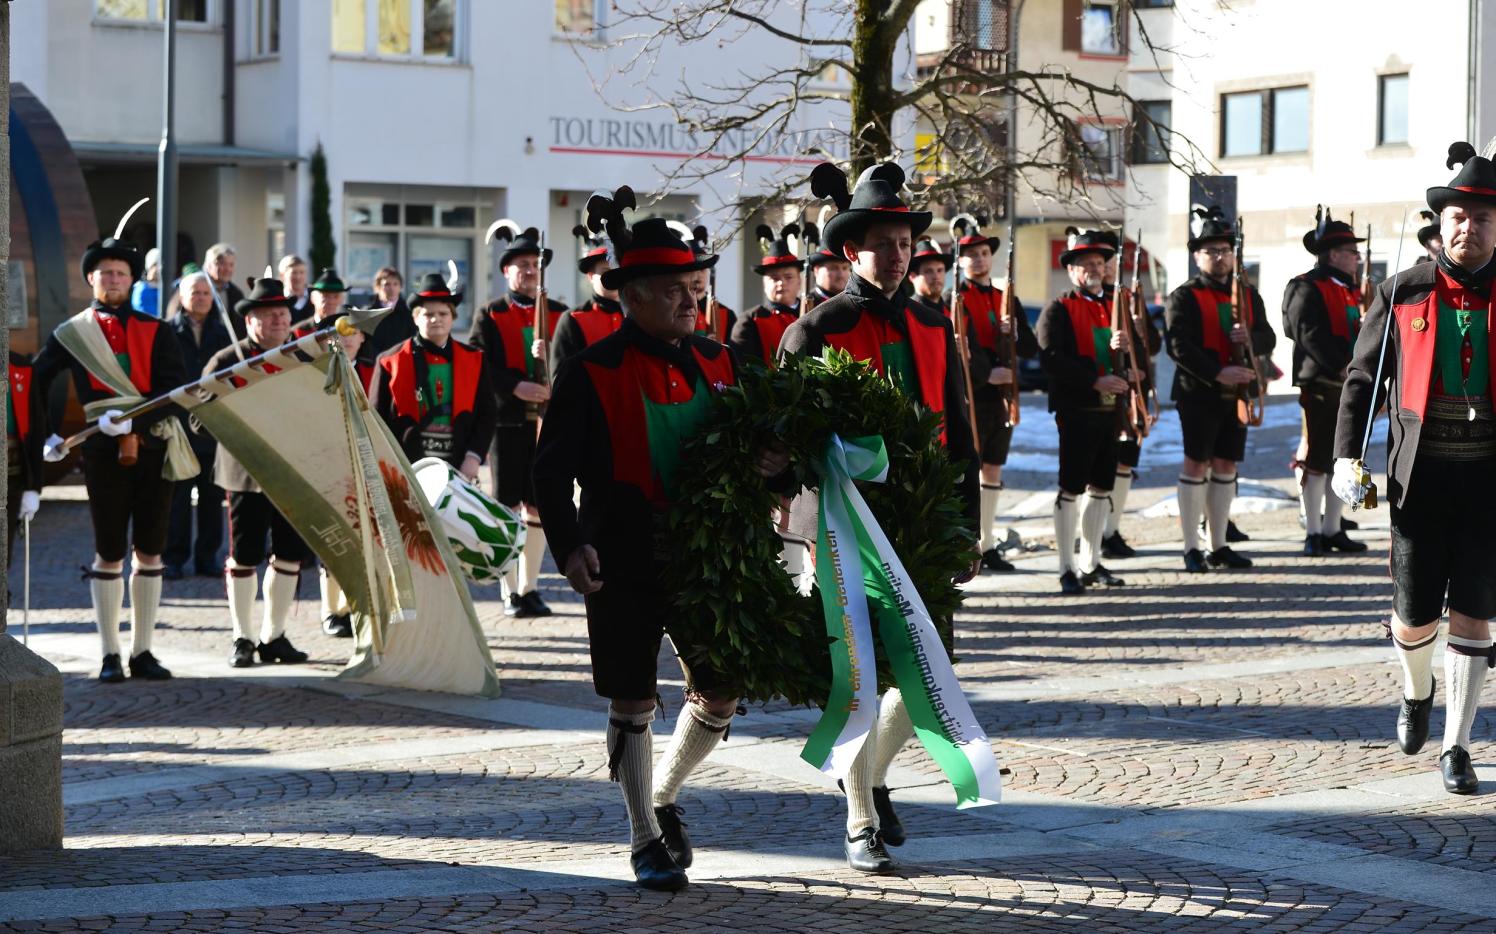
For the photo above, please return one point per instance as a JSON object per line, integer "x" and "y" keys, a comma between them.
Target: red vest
{"x": 1336, "y": 298}
{"x": 20, "y": 399}
{"x": 1216, "y": 338}
{"x": 137, "y": 341}
{"x": 1417, "y": 325}
{"x": 1085, "y": 317}
{"x": 622, "y": 391}
{"x": 401, "y": 365}
{"x": 983, "y": 308}
{"x": 927, "y": 343}
{"x": 511, "y": 322}
{"x": 771, "y": 330}
{"x": 595, "y": 323}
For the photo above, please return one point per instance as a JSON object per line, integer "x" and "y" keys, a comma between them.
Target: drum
{"x": 486, "y": 535}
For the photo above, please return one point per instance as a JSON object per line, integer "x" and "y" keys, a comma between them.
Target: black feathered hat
{"x": 594, "y": 250}
{"x": 876, "y": 198}
{"x": 1080, "y": 242}
{"x": 968, "y": 232}
{"x": 647, "y": 248}
{"x": 434, "y": 288}
{"x": 263, "y": 293}
{"x": 778, "y": 252}
{"x": 925, "y": 251}
{"x": 1475, "y": 183}
{"x": 1430, "y": 230}
{"x": 115, "y": 247}
{"x": 822, "y": 256}
{"x": 524, "y": 242}
{"x": 700, "y": 242}
{"x": 1328, "y": 233}
{"x": 1208, "y": 224}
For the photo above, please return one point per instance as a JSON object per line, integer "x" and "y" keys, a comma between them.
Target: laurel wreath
{"x": 739, "y": 617}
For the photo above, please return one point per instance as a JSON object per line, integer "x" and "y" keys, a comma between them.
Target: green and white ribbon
{"x": 862, "y": 579}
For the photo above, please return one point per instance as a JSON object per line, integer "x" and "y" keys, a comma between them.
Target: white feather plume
{"x": 119, "y": 229}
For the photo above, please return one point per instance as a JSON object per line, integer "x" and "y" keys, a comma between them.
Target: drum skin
{"x": 486, "y": 535}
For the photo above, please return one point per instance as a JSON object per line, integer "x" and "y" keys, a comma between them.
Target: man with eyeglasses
{"x": 1201, "y": 337}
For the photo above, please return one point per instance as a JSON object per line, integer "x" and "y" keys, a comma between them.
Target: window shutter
{"x": 1070, "y": 12}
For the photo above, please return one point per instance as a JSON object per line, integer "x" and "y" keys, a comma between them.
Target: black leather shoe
{"x": 655, "y": 868}
{"x": 1070, "y": 584}
{"x": 1412, "y": 721}
{"x": 866, "y": 853}
{"x": 1349, "y": 525}
{"x": 673, "y": 834}
{"x": 1343, "y": 542}
{"x": 1314, "y": 545}
{"x": 243, "y": 655}
{"x": 992, "y": 560}
{"x": 1100, "y": 575}
{"x": 145, "y": 666}
{"x": 530, "y": 605}
{"x": 1224, "y": 557}
{"x": 280, "y": 650}
{"x": 173, "y": 572}
{"x": 338, "y": 625}
{"x": 1234, "y": 534}
{"x": 1115, "y": 546}
{"x": 1194, "y": 561}
{"x": 1459, "y": 773}
{"x": 112, "y": 672}
{"x": 889, "y": 825}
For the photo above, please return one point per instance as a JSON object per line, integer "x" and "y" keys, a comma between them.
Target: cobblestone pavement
{"x": 1207, "y": 753}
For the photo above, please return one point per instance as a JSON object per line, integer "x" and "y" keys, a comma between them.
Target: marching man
{"x": 756, "y": 333}
{"x": 620, "y": 412}
{"x": 1439, "y": 358}
{"x": 120, "y": 357}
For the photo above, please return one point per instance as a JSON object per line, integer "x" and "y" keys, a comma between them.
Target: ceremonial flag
{"x": 305, "y": 432}
{"x": 863, "y": 583}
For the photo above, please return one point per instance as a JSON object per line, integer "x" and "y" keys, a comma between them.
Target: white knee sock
{"x": 1218, "y": 497}
{"x": 631, "y": 765}
{"x": 1120, "y": 488}
{"x": 1092, "y": 521}
{"x": 1066, "y": 519}
{"x": 280, "y": 595}
{"x": 510, "y": 586}
{"x": 145, "y": 603}
{"x": 1417, "y": 660}
{"x": 108, "y": 596}
{"x": 697, "y": 732}
{"x": 1312, "y": 498}
{"x": 1466, "y": 662}
{"x": 861, "y": 814}
{"x": 894, "y": 730}
{"x": 1329, "y": 523}
{"x": 241, "y": 588}
{"x": 1191, "y": 510}
{"x": 334, "y": 602}
{"x": 532, "y": 558}
{"x": 988, "y": 515}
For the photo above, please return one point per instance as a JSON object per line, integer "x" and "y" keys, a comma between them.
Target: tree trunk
{"x": 872, "y": 100}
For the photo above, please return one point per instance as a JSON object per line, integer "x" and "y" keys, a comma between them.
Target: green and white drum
{"x": 486, "y": 535}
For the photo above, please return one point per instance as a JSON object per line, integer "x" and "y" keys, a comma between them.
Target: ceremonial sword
{"x": 1370, "y": 499}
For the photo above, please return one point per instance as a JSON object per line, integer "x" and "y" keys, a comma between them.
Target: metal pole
{"x": 26, "y": 587}
{"x": 166, "y": 173}
{"x": 1010, "y": 196}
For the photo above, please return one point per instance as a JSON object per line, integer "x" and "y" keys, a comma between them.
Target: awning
{"x": 187, "y": 154}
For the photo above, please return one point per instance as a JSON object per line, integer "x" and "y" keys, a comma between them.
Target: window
{"x": 1102, "y": 158}
{"x": 576, "y": 17}
{"x": 265, "y": 29}
{"x": 1392, "y": 110}
{"x": 1151, "y": 4}
{"x": 1262, "y": 122}
{"x": 188, "y": 11}
{"x": 1099, "y": 29}
{"x": 396, "y": 28}
{"x": 1150, "y": 139}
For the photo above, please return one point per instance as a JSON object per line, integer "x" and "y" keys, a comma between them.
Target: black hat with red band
{"x": 263, "y": 293}
{"x": 778, "y": 254}
{"x": 434, "y": 289}
{"x": 647, "y": 248}
{"x": 1475, "y": 183}
{"x": 1430, "y": 229}
{"x": 1080, "y": 242}
{"x": 928, "y": 251}
{"x": 1329, "y": 233}
{"x": 594, "y": 250}
{"x": 968, "y": 231}
{"x": 875, "y": 199}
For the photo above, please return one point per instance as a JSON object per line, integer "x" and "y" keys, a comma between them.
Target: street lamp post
{"x": 166, "y": 172}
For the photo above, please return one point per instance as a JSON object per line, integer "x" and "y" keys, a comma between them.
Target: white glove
{"x": 1350, "y": 481}
{"x": 31, "y": 501}
{"x": 112, "y": 428}
{"x": 52, "y": 451}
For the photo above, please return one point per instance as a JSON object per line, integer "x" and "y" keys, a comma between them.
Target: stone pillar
{"x": 30, "y": 687}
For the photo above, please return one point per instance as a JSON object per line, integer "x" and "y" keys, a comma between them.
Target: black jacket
{"x": 167, "y": 373}
{"x": 1072, "y": 375}
{"x": 1318, "y": 354}
{"x": 1197, "y": 365}
{"x": 472, "y": 429}
{"x": 29, "y": 452}
{"x": 393, "y": 329}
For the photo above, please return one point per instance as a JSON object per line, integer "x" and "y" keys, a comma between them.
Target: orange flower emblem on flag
{"x": 420, "y": 547}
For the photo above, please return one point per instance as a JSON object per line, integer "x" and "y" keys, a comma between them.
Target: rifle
{"x": 1249, "y": 405}
{"x": 713, "y": 312}
{"x": 963, "y": 346}
{"x": 1144, "y": 361}
{"x": 811, "y": 236}
{"x": 542, "y": 316}
{"x": 1007, "y": 340}
{"x": 1132, "y": 365}
{"x": 1366, "y": 276}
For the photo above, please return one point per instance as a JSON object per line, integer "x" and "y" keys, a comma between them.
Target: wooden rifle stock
{"x": 963, "y": 354}
{"x": 1249, "y": 406}
{"x": 1007, "y": 340}
{"x": 1149, "y": 409}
